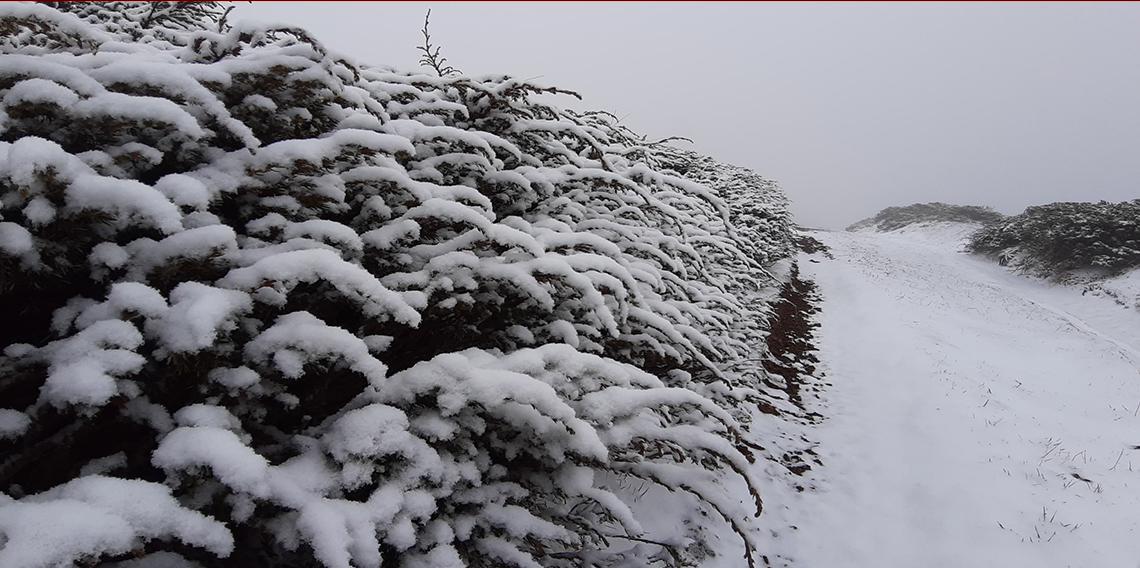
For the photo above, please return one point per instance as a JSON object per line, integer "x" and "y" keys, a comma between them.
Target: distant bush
{"x": 811, "y": 245}
{"x": 893, "y": 218}
{"x": 1050, "y": 240}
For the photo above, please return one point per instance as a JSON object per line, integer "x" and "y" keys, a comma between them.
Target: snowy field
{"x": 977, "y": 418}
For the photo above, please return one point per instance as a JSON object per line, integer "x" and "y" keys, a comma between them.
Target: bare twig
{"x": 1120, "y": 455}
{"x": 431, "y": 57}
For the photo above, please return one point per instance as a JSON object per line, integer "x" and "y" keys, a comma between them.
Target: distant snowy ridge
{"x": 893, "y": 218}
{"x": 267, "y": 306}
{"x": 1092, "y": 246}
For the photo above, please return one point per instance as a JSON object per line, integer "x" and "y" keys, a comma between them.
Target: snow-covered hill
{"x": 893, "y": 218}
{"x": 977, "y": 417}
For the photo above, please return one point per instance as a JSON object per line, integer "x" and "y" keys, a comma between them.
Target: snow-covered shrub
{"x": 1053, "y": 239}
{"x": 893, "y": 218}
{"x": 757, "y": 206}
{"x": 267, "y": 306}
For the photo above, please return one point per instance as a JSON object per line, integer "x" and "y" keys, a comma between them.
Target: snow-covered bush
{"x": 893, "y": 218}
{"x": 1053, "y": 239}
{"x": 265, "y": 306}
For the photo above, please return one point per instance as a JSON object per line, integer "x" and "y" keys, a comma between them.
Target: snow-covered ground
{"x": 976, "y": 418}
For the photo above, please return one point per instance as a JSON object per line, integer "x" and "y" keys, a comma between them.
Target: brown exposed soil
{"x": 791, "y": 337}
{"x": 791, "y": 343}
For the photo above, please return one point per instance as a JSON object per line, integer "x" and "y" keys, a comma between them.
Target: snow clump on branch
{"x": 269, "y": 306}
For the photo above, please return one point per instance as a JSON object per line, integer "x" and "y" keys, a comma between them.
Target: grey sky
{"x": 852, "y": 107}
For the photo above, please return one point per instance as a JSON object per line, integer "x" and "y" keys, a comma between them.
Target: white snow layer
{"x": 12, "y": 423}
{"x": 976, "y": 418}
{"x": 96, "y": 514}
{"x": 550, "y": 226}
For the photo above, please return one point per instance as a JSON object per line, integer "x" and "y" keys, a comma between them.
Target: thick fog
{"x": 852, "y": 107}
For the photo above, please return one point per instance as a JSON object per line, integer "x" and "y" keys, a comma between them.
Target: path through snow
{"x": 977, "y": 418}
